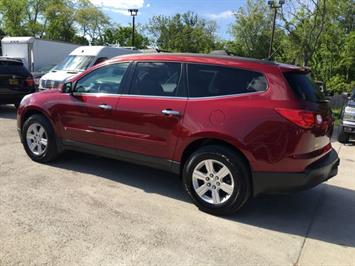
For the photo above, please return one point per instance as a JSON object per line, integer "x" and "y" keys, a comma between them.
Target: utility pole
{"x": 134, "y": 13}
{"x": 275, "y": 6}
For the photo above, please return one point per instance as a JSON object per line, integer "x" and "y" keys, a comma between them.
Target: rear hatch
{"x": 319, "y": 119}
{"x": 14, "y": 77}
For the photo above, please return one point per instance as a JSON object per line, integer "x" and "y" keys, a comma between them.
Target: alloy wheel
{"x": 213, "y": 181}
{"x": 37, "y": 139}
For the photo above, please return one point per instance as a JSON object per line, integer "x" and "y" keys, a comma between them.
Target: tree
{"x": 92, "y": 21}
{"x": 332, "y": 54}
{"x": 13, "y": 16}
{"x": 35, "y": 15}
{"x": 183, "y": 33}
{"x": 304, "y": 28}
{"x": 123, "y": 36}
{"x": 252, "y": 30}
{"x": 59, "y": 21}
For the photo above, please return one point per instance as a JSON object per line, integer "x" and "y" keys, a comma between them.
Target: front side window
{"x": 106, "y": 79}
{"x": 75, "y": 63}
{"x": 156, "y": 79}
{"x": 207, "y": 80}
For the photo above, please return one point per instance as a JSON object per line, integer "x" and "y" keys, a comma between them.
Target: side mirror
{"x": 68, "y": 87}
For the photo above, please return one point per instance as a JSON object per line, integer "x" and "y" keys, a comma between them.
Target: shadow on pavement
{"x": 327, "y": 210}
{"x": 325, "y": 213}
{"x": 7, "y": 112}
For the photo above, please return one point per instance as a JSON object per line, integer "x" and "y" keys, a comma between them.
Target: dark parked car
{"x": 232, "y": 127}
{"x": 15, "y": 81}
{"x": 347, "y": 127}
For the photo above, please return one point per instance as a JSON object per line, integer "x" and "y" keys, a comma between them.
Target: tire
{"x": 233, "y": 189}
{"x": 343, "y": 137}
{"x": 31, "y": 129}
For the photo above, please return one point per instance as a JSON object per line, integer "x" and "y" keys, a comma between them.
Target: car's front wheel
{"x": 217, "y": 180}
{"x": 39, "y": 139}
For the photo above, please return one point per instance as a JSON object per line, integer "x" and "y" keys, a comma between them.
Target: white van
{"x": 78, "y": 61}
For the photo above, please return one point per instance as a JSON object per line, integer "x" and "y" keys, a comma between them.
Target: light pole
{"x": 134, "y": 13}
{"x": 274, "y": 5}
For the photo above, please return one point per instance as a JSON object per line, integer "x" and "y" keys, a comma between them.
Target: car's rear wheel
{"x": 217, "y": 180}
{"x": 343, "y": 137}
{"x": 39, "y": 139}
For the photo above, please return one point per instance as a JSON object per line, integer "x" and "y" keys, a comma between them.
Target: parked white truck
{"x": 78, "y": 61}
{"x": 35, "y": 53}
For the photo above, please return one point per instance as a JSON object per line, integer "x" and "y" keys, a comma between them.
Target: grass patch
{"x": 336, "y": 115}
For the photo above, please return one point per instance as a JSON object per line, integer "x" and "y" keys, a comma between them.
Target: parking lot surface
{"x": 88, "y": 210}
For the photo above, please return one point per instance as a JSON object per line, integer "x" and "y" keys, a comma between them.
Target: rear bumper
{"x": 316, "y": 173}
{"x": 13, "y": 98}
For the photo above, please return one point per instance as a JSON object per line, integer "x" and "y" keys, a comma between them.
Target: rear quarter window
{"x": 207, "y": 80}
{"x": 304, "y": 87}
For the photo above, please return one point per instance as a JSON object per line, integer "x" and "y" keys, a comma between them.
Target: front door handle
{"x": 105, "y": 107}
{"x": 170, "y": 112}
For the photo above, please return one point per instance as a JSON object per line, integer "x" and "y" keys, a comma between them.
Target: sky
{"x": 220, "y": 11}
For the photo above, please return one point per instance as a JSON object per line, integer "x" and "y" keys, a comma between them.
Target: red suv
{"x": 232, "y": 127}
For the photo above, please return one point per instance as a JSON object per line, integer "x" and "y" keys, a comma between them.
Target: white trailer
{"x": 36, "y": 53}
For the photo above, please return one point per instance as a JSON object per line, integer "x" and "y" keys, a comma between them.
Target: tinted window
{"x": 353, "y": 95}
{"x": 303, "y": 86}
{"x": 105, "y": 79}
{"x": 13, "y": 67}
{"x": 156, "y": 79}
{"x": 207, "y": 81}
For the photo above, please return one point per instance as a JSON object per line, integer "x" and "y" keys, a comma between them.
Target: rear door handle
{"x": 170, "y": 112}
{"x": 105, "y": 107}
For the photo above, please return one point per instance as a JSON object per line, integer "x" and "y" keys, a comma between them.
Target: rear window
{"x": 304, "y": 86}
{"x": 12, "y": 67}
{"x": 207, "y": 80}
{"x": 10, "y": 63}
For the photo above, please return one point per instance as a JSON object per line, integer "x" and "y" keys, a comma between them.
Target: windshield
{"x": 46, "y": 68}
{"x": 75, "y": 63}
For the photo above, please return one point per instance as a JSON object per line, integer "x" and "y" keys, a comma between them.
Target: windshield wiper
{"x": 72, "y": 71}
{"x": 323, "y": 101}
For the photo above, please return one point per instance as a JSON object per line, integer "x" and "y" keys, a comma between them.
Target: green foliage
{"x": 123, "y": 37}
{"x": 91, "y": 21}
{"x": 318, "y": 33}
{"x": 64, "y": 20}
{"x": 60, "y": 21}
{"x": 13, "y": 16}
{"x": 252, "y": 30}
{"x": 183, "y": 33}
{"x": 315, "y": 33}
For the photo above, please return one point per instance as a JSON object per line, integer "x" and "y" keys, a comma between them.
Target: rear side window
{"x": 304, "y": 87}
{"x": 13, "y": 67}
{"x": 156, "y": 79}
{"x": 206, "y": 80}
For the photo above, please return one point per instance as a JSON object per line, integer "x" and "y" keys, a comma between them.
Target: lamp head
{"x": 133, "y": 12}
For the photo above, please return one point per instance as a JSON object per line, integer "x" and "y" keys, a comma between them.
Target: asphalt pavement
{"x": 88, "y": 210}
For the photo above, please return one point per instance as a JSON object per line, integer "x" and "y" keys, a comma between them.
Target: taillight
{"x": 302, "y": 118}
{"x": 30, "y": 82}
